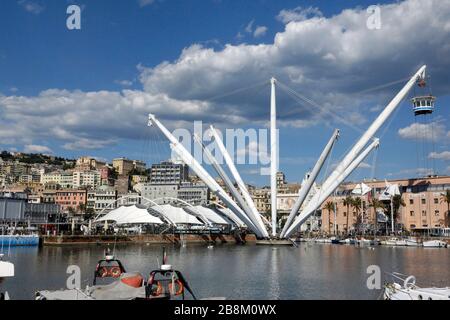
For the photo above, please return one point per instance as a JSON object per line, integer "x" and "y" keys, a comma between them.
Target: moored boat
{"x": 408, "y": 290}
{"x": 23, "y": 240}
{"x": 412, "y": 242}
{"x": 6, "y": 271}
{"x": 435, "y": 244}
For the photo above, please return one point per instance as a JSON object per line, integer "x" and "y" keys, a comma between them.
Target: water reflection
{"x": 318, "y": 271}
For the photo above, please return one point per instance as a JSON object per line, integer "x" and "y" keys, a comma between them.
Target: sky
{"x": 88, "y": 92}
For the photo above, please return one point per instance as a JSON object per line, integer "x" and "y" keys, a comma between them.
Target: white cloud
{"x": 332, "y": 60}
{"x": 249, "y": 27}
{"x": 259, "y": 31}
{"x": 124, "y": 83}
{"x": 298, "y": 14}
{"x": 364, "y": 165}
{"x": 445, "y": 155}
{"x": 433, "y": 131}
{"x": 143, "y": 3}
{"x": 34, "y": 148}
{"x": 31, "y": 6}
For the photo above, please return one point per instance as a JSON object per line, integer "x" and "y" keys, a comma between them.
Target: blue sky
{"x": 180, "y": 54}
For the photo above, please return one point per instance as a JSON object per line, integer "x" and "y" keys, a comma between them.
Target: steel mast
{"x": 304, "y": 191}
{"x": 353, "y": 153}
{"x": 273, "y": 156}
{"x": 253, "y": 214}
{"x": 188, "y": 159}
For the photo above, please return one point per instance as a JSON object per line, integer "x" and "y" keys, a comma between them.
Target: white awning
{"x": 130, "y": 215}
{"x": 175, "y": 215}
{"x": 228, "y": 213}
{"x": 212, "y": 216}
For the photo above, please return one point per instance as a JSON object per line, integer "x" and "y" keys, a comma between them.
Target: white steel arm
{"x": 188, "y": 159}
{"x": 304, "y": 191}
{"x": 323, "y": 194}
{"x": 241, "y": 185}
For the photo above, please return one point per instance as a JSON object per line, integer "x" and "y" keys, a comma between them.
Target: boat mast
{"x": 273, "y": 156}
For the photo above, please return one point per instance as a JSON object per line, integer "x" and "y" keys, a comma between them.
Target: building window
{"x": 436, "y": 200}
{"x": 411, "y": 213}
{"x": 424, "y": 213}
{"x": 436, "y": 212}
{"x": 411, "y": 201}
{"x": 424, "y": 201}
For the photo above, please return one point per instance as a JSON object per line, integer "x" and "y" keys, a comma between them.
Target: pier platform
{"x": 274, "y": 242}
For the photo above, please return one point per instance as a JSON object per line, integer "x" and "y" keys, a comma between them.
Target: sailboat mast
{"x": 273, "y": 156}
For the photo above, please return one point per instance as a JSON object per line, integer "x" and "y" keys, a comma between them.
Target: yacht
{"x": 408, "y": 290}
{"x": 435, "y": 244}
{"x": 6, "y": 271}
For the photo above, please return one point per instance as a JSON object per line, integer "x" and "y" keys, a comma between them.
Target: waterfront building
{"x": 168, "y": 172}
{"x": 71, "y": 200}
{"x": 122, "y": 184}
{"x": 88, "y": 163}
{"x": 63, "y": 178}
{"x": 156, "y": 191}
{"x": 195, "y": 194}
{"x": 424, "y": 206}
{"x": 49, "y": 196}
{"x": 86, "y": 179}
{"x": 105, "y": 197}
{"x": 124, "y": 166}
{"x": 261, "y": 198}
{"x": 90, "y": 202}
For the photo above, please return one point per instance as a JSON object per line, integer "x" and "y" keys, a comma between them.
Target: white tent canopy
{"x": 176, "y": 215}
{"x": 130, "y": 215}
{"x": 227, "y": 212}
{"x": 212, "y": 216}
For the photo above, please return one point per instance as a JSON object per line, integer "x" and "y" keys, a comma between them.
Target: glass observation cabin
{"x": 423, "y": 104}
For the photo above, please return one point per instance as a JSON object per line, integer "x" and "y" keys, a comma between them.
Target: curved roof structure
{"x": 211, "y": 215}
{"x": 175, "y": 215}
{"x": 130, "y": 215}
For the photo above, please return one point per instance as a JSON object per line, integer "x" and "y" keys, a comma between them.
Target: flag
{"x": 381, "y": 217}
{"x": 361, "y": 189}
{"x": 390, "y": 191}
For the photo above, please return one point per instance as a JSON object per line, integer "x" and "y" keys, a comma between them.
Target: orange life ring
{"x": 180, "y": 287}
{"x": 115, "y": 272}
{"x": 103, "y": 272}
{"x": 159, "y": 289}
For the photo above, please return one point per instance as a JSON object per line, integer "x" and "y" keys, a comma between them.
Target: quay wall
{"x": 147, "y": 239}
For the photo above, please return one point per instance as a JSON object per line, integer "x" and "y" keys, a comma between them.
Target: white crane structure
{"x": 301, "y": 211}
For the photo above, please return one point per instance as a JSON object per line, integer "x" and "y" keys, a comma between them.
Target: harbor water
{"x": 310, "y": 271}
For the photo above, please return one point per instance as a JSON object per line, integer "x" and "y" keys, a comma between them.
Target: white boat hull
{"x": 395, "y": 291}
{"x": 435, "y": 244}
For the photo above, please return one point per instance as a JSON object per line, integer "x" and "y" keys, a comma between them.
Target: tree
{"x": 356, "y": 204}
{"x": 445, "y": 197}
{"x": 397, "y": 201}
{"x": 376, "y": 204}
{"x": 330, "y": 207}
{"x": 82, "y": 208}
{"x": 348, "y": 203}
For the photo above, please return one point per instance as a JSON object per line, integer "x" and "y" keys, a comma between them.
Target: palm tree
{"x": 348, "y": 201}
{"x": 397, "y": 201}
{"x": 329, "y": 206}
{"x": 376, "y": 204}
{"x": 356, "y": 204}
{"x": 446, "y": 198}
